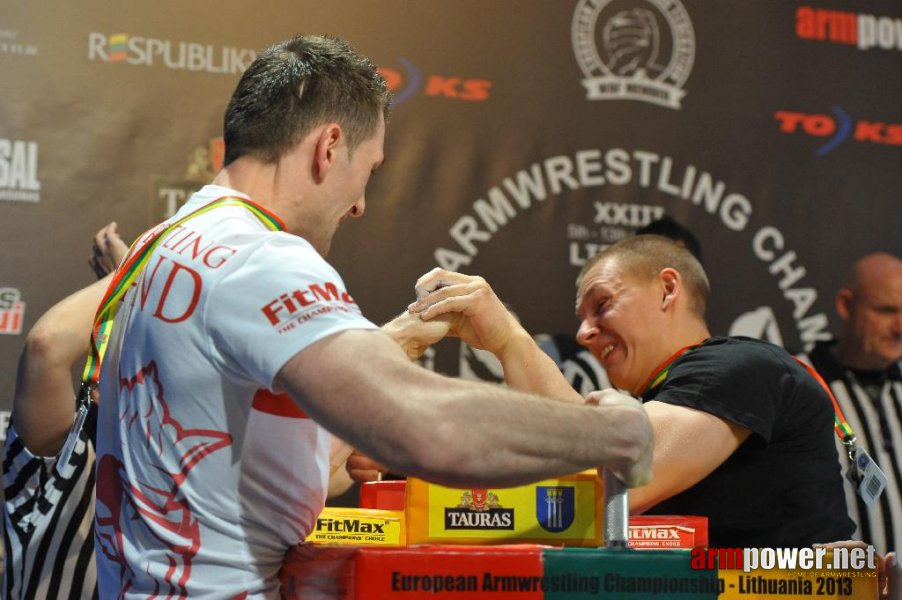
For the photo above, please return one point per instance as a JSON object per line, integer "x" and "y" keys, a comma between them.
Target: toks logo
{"x": 12, "y": 311}
{"x": 641, "y": 50}
{"x": 838, "y": 128}
{"x": 179, "y": 56}
{"x": 404, "y": 84}
{"x": 479, "y": 509}
{"x": 839, "y": 27}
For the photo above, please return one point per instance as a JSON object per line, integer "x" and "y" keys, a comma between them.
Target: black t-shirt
{"x": 782, "y": 487}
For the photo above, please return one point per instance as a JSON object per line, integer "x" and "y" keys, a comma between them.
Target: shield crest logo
{"x": 555, "y": 507}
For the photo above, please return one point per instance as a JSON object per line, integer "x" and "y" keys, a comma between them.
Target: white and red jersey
{"x": 206, "y": 475}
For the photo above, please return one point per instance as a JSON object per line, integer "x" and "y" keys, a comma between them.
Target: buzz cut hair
{"x": 645, "y": 256}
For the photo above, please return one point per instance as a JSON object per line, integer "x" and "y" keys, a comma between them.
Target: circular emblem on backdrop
{"x": 634, "y": 49}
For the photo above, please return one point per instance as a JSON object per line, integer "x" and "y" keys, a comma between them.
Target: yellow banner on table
{"x": 785, "y": 584}
{"x": 561, "y": 511}
{"x": 359, "y": 526}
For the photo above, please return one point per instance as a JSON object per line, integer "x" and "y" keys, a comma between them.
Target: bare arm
{"x": 362, "y": 388}
{"x": 44, "y": 400}
{"x": 43, "y": 403}
{"x": 689, "y": 445}
{"x": 479, "y": 318}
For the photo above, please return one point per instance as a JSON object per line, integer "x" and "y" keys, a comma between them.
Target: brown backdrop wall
{"x": 525, "y": 136}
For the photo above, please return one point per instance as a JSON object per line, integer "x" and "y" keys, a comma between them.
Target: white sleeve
{"x": 282, "y": 298}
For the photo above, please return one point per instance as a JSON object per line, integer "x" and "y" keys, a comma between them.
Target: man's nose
{"x": 586, "y": 333}
{"x": 359, "y": 207}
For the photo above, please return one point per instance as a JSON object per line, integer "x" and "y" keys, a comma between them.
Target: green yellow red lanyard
{"x": 660, "y": 374}
{"x": 128, "y": 272}
{"x": 840, "y": 424}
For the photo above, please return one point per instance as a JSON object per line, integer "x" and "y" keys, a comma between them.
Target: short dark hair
{"x": 670, "y": 228}
{"x": 296, "y": 85}
{"x": 645, "y": 255}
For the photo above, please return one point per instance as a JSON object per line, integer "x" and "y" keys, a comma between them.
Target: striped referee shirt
{"x": 49, "y": 523}
{"x": 877, "y": 424}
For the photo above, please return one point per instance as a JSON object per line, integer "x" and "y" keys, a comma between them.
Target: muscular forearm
{"x": 43, "y": 404}
{"x": 452, "y": 431}
{"x": 528, "y": 368}
{"x": 533, "y": 438}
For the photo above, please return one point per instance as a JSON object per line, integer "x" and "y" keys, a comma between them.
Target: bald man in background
{"x": 864, "y": 369}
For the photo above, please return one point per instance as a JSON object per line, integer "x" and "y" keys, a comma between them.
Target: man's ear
{"x": 844, "y": 299}
{"x": 671, "y": 286}
{"x": 329, "y": 139}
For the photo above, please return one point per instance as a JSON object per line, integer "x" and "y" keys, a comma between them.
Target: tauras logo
{"x": 638, "y": 50}
{"x": 181, "y": 56}
{"x": 493, "y": 518}
{"x": 19, "y": 171}
{"x": 479, "y": 508}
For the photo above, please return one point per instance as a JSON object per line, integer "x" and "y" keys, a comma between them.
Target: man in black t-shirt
{"x": 742, "y": 433}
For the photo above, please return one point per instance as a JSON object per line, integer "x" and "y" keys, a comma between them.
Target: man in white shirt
{"x": 238, "y": 350}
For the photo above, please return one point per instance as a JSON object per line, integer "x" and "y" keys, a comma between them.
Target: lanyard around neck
{"x": 127, "y": 273}
{"x": 660, "y": 374}
{"x": 840, "y": 424}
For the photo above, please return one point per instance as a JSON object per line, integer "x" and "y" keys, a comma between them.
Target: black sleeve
{"x": 738, "y": 384}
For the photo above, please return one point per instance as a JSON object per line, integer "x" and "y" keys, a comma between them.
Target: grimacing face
{"x": 619, "y": 324}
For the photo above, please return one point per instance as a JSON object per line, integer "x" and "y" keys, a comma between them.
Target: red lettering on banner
{"x": 866, "y": 131}
{"x": 462, "y": 89}
{"x": 11, "y": 319}
{"x": 893, "y": 135}
{"x": 716, "y": 558}
{"x": 826, "y": 25}
{"x": 823, "y": 125}
{"x": 789, "y": 121}
{"x": 392, "y": 78}
{"x": 819, "y": 125}
{"x": 476, "y": 90}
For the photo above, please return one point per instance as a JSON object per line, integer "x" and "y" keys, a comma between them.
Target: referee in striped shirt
{"x": 864, "y": 369}
{"x": 48, "y": 506}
